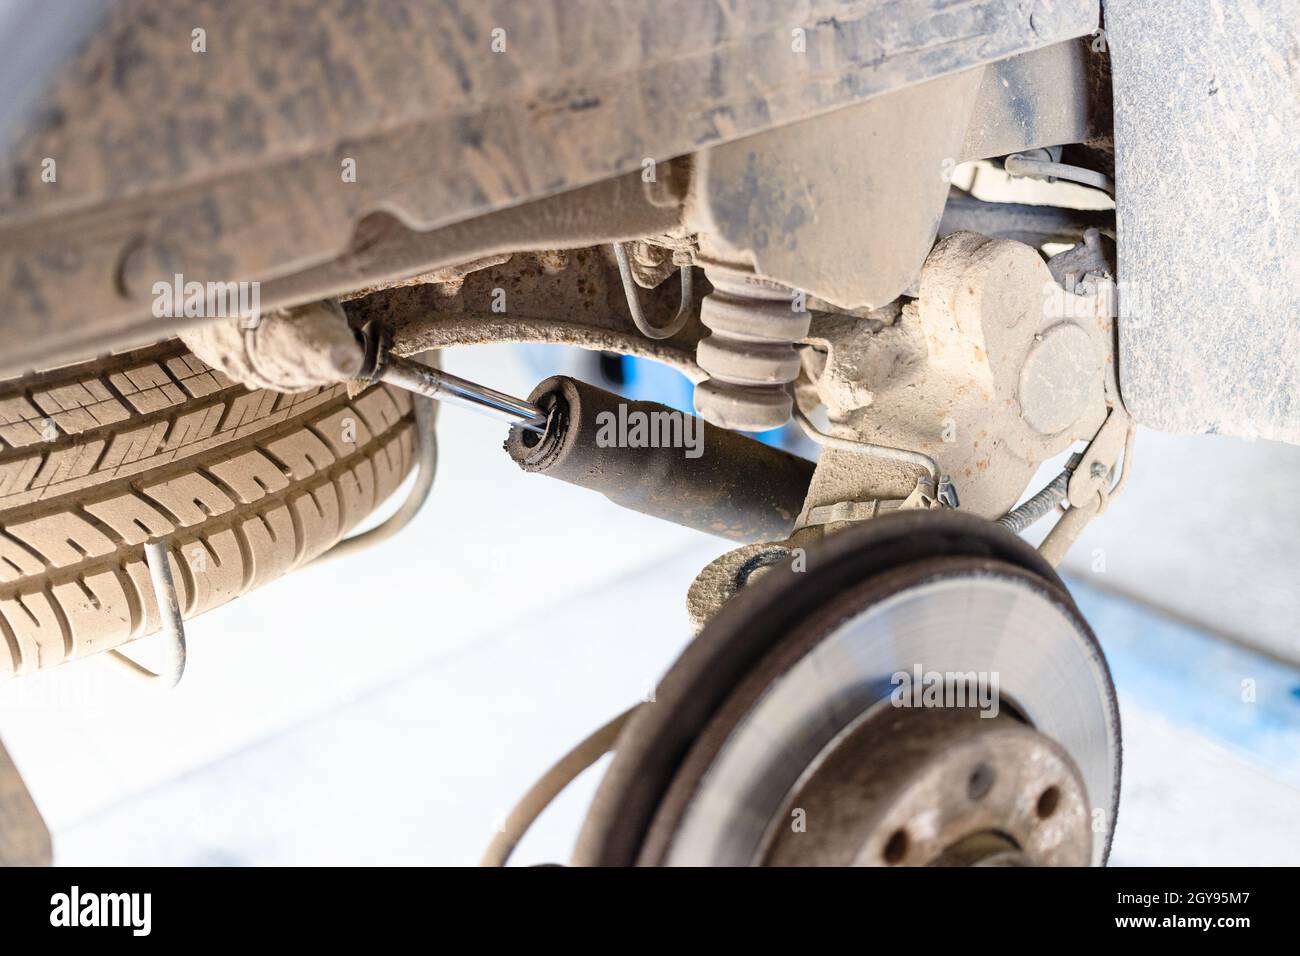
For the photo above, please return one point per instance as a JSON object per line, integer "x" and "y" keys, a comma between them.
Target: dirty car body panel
{"x": 1207, "y": 118}
{"x": 225, "y": 164}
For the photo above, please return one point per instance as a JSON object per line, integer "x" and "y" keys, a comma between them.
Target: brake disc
{"x": 760, "y": 715}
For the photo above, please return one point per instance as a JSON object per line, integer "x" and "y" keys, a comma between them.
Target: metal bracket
{"x": 678, "y": 321}
{"x": 1099, "y": 458}
{"x": 24, "y": 837}
{"x": 923, "y": 497}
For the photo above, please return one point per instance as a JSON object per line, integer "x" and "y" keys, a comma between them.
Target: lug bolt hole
{"x": 980, "y": 782}
{"x": 897, "y": 847}
{"x": 1047, "y": 802}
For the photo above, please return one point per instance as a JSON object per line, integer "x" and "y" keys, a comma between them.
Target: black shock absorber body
{"x": 663, "y": 462}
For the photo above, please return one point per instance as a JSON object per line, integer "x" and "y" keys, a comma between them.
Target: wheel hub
{"x": 935, "y": 788}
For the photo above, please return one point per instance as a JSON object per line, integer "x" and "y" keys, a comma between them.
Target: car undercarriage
{"x": 236, "y": 239}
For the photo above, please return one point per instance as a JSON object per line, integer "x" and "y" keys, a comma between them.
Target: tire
{"x": 242, "y": 485}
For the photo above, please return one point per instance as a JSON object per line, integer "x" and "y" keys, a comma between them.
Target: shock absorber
{"x": 749, "y": 354}
{"x": 662, "y": 462}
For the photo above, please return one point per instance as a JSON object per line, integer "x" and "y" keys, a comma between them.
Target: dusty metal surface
{"x": 658, "y": 739}
{"x": 573, "y": 297}
{"x": 731, "y": 572}
{"x": 808, "y": 649}
{"x": 955, "y": 617}
{"x": 1058, "y": 94}
{"x": 1207, "y": 118}
{"x": 1030, "y": 224}
{"x": 846, "y": 206}
{"x": 936, "y": 787}
{"x": 251, "y": 153}
{"x": 843, "y": 206}
{"x": 24, "y": 839}
{"x": 662, "y": 462}
{"x": 994, "y": 369}
{"x": 384, "y": 252}
{"x": 289, "y": 351}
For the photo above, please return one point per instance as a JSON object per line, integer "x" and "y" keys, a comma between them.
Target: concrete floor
{"x": 389, "y": 709}
{"x": 1207, "y": 530}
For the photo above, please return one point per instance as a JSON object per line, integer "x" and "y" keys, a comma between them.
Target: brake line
{"x": 1019, "y": 164}
{"x": 551, "y": 784}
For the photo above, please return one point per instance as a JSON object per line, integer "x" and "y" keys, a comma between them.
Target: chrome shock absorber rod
{"x": 379, "y": 364}
{"x": 749, "y": 354}
{"x": 446, "y": 387}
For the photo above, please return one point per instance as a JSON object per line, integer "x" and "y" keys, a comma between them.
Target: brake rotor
{"x": 777, "y": 707}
